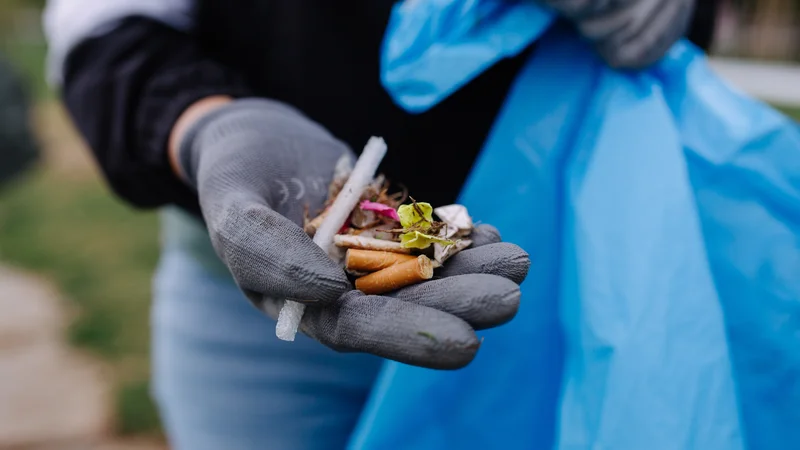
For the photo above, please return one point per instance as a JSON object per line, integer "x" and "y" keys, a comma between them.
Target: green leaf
{"x": 410, "y": 215}
{"x": 416, "y": 239}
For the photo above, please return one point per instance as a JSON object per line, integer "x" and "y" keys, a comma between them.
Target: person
{"x": 18, "y": 147}
{"x": 230, "y": 116}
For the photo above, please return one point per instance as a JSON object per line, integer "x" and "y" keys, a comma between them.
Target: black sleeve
{"x": 125, "y": 89}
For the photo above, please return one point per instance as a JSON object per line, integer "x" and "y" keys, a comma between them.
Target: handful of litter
{"x": 389, "y": 245}
{"x": 385, "y": 241}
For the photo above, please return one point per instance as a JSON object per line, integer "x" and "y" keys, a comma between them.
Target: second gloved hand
{"x": 257, "y": 165}
{"x": 628, "y": 33}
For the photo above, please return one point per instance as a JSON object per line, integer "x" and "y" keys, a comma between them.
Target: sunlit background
{"x": 75, "y": 263}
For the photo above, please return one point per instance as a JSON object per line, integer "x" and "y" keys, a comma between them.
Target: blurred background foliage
{"x": 22, "y": 40}
{"x": 759, "y": 29}
{"x": 61, "y": 221}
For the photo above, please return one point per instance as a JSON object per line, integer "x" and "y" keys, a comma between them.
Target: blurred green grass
{"x": 791, "y": 111}
{"x": 97, "y": 250}
{"x": 28, "y": 58}
{"x": 22, "y": 42}
{"x": 63, "y": 223}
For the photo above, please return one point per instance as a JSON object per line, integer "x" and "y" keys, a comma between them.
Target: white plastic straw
{"x": 362, "y": 175}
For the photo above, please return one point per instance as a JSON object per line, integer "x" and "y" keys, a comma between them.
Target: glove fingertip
{"x": 321, "y": 285}
{"x": 484, "y": 235}
{"x": 453, "y": 352}
{"x": 394, "y": 329}
{"x": 503, "y": 259}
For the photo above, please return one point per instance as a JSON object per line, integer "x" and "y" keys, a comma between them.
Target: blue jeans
{"x": 222, "y": 379}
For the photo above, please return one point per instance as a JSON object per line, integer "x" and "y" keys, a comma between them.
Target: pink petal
{"x": 380, "y": 208}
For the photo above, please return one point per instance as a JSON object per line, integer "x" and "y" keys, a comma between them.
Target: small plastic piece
{"x": 380, "y": 208}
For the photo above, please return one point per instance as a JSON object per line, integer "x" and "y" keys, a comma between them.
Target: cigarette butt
{"x": 313, "y": 224}
{"x": 365, "y": 243}
{"x": 395, "y": 277}
{"x": 372, "y": 261}
{"x": 356, "y": 274}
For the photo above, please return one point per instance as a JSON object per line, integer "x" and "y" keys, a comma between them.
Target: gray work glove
{"x": 256, "y": 165}
{"x": 628, "y": 33}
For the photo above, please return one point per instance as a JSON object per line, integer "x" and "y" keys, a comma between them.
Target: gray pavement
{"x": 772, "y": 82}
{"x": 51, "y": 395}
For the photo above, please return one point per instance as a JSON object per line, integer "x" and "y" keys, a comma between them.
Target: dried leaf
{"x": 416, "y": 239}
{"x": 419, "y": 215}
{"x": 376, "y": 233}
{"x": 364, "y": 219}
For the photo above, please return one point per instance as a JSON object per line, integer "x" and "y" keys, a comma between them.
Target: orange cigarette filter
{"x": 397, "y": 276}
{"x": 372, "y": 261}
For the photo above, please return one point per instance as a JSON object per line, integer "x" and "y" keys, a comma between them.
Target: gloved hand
{"x": 256, "y": 164}
{"x": 628, "y": 33}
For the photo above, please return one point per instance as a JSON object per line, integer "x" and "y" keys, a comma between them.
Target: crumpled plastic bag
{"x": 661, "y": 210}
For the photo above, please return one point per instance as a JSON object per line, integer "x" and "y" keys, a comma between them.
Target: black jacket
{"x": 125, "y": 88}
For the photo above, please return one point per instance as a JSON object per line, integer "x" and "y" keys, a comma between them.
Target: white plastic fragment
{"x": 362, "y": 175}
{"x": 457, "y": 219}
{"x": 459, "y": 225}
{"x": 442, "y": 253}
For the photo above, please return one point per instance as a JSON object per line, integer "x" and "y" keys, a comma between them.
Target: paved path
{"x": 777, "y": 83}
{"x": 52, "y": 397}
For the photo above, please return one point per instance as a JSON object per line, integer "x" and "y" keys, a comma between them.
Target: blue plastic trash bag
{"x": 662, "y": 213}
